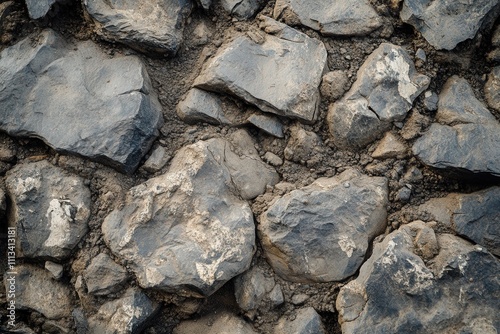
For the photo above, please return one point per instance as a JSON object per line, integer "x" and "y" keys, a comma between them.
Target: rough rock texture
{"x": 391, "y": 146}
{"x": 331, "y": 18}
{"x": 334, "y": 84}
{"x": 113, "y": 120}
{"x": 125, "y": 315}
{"x": 187, "y": 231}
{"x": 224, "y": 323}
{"x": 50, "y": 209}
{"x": 467, "y": 135}
{"x": 386, "y": 86}
{"x": 155, "y": 25}
{"x": 445, "y": 23}
{"x": 244, "y": 9}
{"x": 287, "y": 82}
{"x": 36, "y": 290}
{"x": 201, "y": 106}
{"x": 330, "y": 221}
{"x": 103, "y": 276}
{"x": 39, "y": 8}
{"x": 398, "y": 291}
{"x": 302, "y": 145}
{"x": 307, "y": 321}
{"x": 56, "y": 270}
{"x": 268, "y": 124}
{"x": 475, "y": 216}
{"x": 492, "y": 89}
{"x": 158, "y": 159}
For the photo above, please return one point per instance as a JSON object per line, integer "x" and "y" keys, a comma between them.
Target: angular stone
{"x": 492, "y": 89}
{"x": 397, "y": 292}
{"x": 187, "y": 231}
{"x": 389, "y": 147}
{"x": 467, "y": 135}
{"x": 201, "y": 106}
{"x": 328, "y": 222}
{"x": 307, "y": 321}
{"x": 50, "y": 209}
{"x": 334, "y": 84}
{"x": 289, "y": 68}
{"x": 384, "y": 92}
{"x": 252, "y": 288}
{"x": 302, "y": 145}
{"x": 215, "y": 323}
{"x": 113, "y": 120}
{"x": 331, "y": 18}
{"x": 39, "y": 8}
{"x": 244, "y": 9}
{"x": 268, "y": 124}
{"x": 445, "y": 23}
{"x": 431, "y": 100}
{"x": 155, "y": 25}
{"x": 273, "y": 159}
{"x": 55, "y": 269}
{"x": 103, "y": 276}
{"x": 159, "y": 158}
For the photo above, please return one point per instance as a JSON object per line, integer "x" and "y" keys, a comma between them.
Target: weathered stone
{"x": 244, "y": 9}
{"x": 201, "y": 34}
{"x": 36, "y": 290}
{"x": 155, "y": 26}
{"x": 103, "y": 276}
{"x": 273, "y": 159}
{"x": 397, "y": 292}
{"x": 300, "y": 298}
{"x": 330, "y": 221}
{"x": 307, "y": 321}
{"x": 39, "y": 8}
{"x": 431, "y": 100}
{"x": 159, "y": 158}
{"x": 384, "y": 92}
{"x": 467, "y": 135}
{"x": 445, "y": 23}
{"x": 50, "y": 209}
{"x": 113, "y": 120}
{"x": 403, "y": 194}
{"x": 201, "y": 106}
{"x": 81, "y": 322}
{"x": 252, "y": 288}
{"x": 268, "y": 124}
{"x": 302, "y": 144}
{"x": 331, "y": 18}
{"x": 492, "y": 89}
{"x": 390, "y": 147}
{"x": 126, "y": 315}
{"x": 7, "y": 154}
{"x": 55, "y": 269}
{"x": 216, "y": 323}
{"x": 334, "y": 84}
{"x": 233, "y": 70}
{"x": 187, "y": 231}
{"x": 276, "y": 296}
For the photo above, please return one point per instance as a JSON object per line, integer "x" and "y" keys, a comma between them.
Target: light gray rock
{"x": 36, "y": 290}
{"x": 50, "y": 209}
{"x": 273, "y": 159}
{"x": 328, "y": 222}
{"x": 386, "y": 86}
{"x": 187, "y": 231}
{"x": 244, "y": 9}
{"x": 307, "y": 321}
{"x": 39, "y": 8}
{"x": 492, "y": 89}
{"x": 331, "y": 18}
{"x": 201, "y": 106}
{"x": 55, "y": 269}
{"x": 467, "y": 135}
{"x": 291, "y": 68}
{"x": 216, "y": 323}
{"x": 113, "y": 120}
{"x": 334, "y": 84}
{"x": 398, "y": 292}
{"x": 431, "y": 100}
{"x": 445, "y": 23}
{"x": 103, "y": 276}
{"x": 268, "y": 124}
{"x": 158, "y": 159}
{"x": 391, "y": 146}
{"x": 253, "y": 288}
{"x": 302, "y": 145}
{"x": 151, "y": 26}
{"x": 126, "y": 315}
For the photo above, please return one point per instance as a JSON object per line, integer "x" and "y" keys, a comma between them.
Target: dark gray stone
{"x": 103, "y": 276}
{"x": 151, "y": 26}
{"x": 81, "y": 322}
{"x": 404, "y": 289}
{"x": 114, "y": 119}
{"x": 158, "y": 159}
{"x": 306, "y": 321}
{"x": 431, "y": 100}
{"x": 284, "y": 55}
{"x": 386, "y": 86}
{"x": 330, "y": 221}
{"x": 492, "y": 89}
{"x": 201, "y": 106}
{"x": 215, "y": 323}
{"x": 50, "y": 209}
{"x": 467, "y": 135}
{"x": 268, "y": 124}
{"x": 331, "y": 18}
{"x": 244, "y": 9}
{"x": 39, "y": 8}
{"x": 252, "y": 289}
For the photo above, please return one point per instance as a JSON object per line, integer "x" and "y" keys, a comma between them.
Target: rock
{"x": 201, "y": 106}
{"x": 152, "y": 26}
{"x": 403, "y": 194}
{"x": 273, "y": 159}
{"x": 299, "y": 299}
{"x": 330, "y": 221}
{"x": 252, "y": 288}
{"x": 334, "y": 84}
{"x": 420, "y": 55}
{"x": 216, "y": 323}
{"x": 431, "y": 100}
{"x": 129, "y": 314}
{"x": 232, "y": 70}
{"x": 39, "y": 8}
{"x": 302, "y": 145}
{"x": 81, "y": 323}
{"x": 467, "y": 135}
{"x": 243, "y": 9}
{"x": 384, "y": 92}
{"x": 55, "y": 269}
{"x": 307, "y": 321}
{"x": 475, "y": 216}
{"x": 268, "y": 124}
{"x": 398, "y": 291}
{"x": 390, "y": 146}
{"x": 50, "y": 209}
{"x": 492, "y": 89}
{"x": 7, "y": 154}
{"x": 276, "y": 296}
{"x": 331, "y": 18}
{"x": 187, "y": 231}
{"x": 36, "y": 290}
{"x": 444, "y": 24}
{"x": 159, "y": 158}
{"x": 201, "y": 34}
{"x": 103, "y": 276}
{"x": 114, "y": 120}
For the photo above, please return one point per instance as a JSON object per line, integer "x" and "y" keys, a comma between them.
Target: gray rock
{"x": 55, "y": 269}
{"x": 403, "y": 194}
{"x": 7, "y": 154}
{"x": 276, "y": 296}
{"x": 252, "y": 288}
{"x": 467, "y": 135}
{"x": 300, "y": 298}
{"x": 187, "y": 231}
{"x": 50, "y": 209}
{"x": 201, "y": 34}
{"x": 492, "y": 89}
{"x": 334, "y": 84}
{"x": 201, "y": 106}
{"x": 232, "y": 70}
{"x": 36, "y": 290}
{"x": 331, "y": 18}
{"x": 152, "y": 26}
{"x": 431, "y": 100}
{"x": 475, "y": 216}
{"x": 126, "y": 315}
{"x": 330, "y": 221}
{"x": 81, "y": 322}
{"x": 307, "y": 321}
{"x": 215, "y": 323}
{"x": 103, "y": 276}
{"x": 445, "y": 23}
{"x": 159, "y": 158}
{"x": 420, "y": 55}
{"x": 244, "y": 9}
{"x": 268, "y": 124}
{"x": 113, "y": 120}
{"x": 273, "y": 159}
{"x": 39, "y": 8}
{"x": 386, "y": 86}
{"x": 302, "y": 145}
{"x": 398, "y": 292}
{"x": 391, "y": 146}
